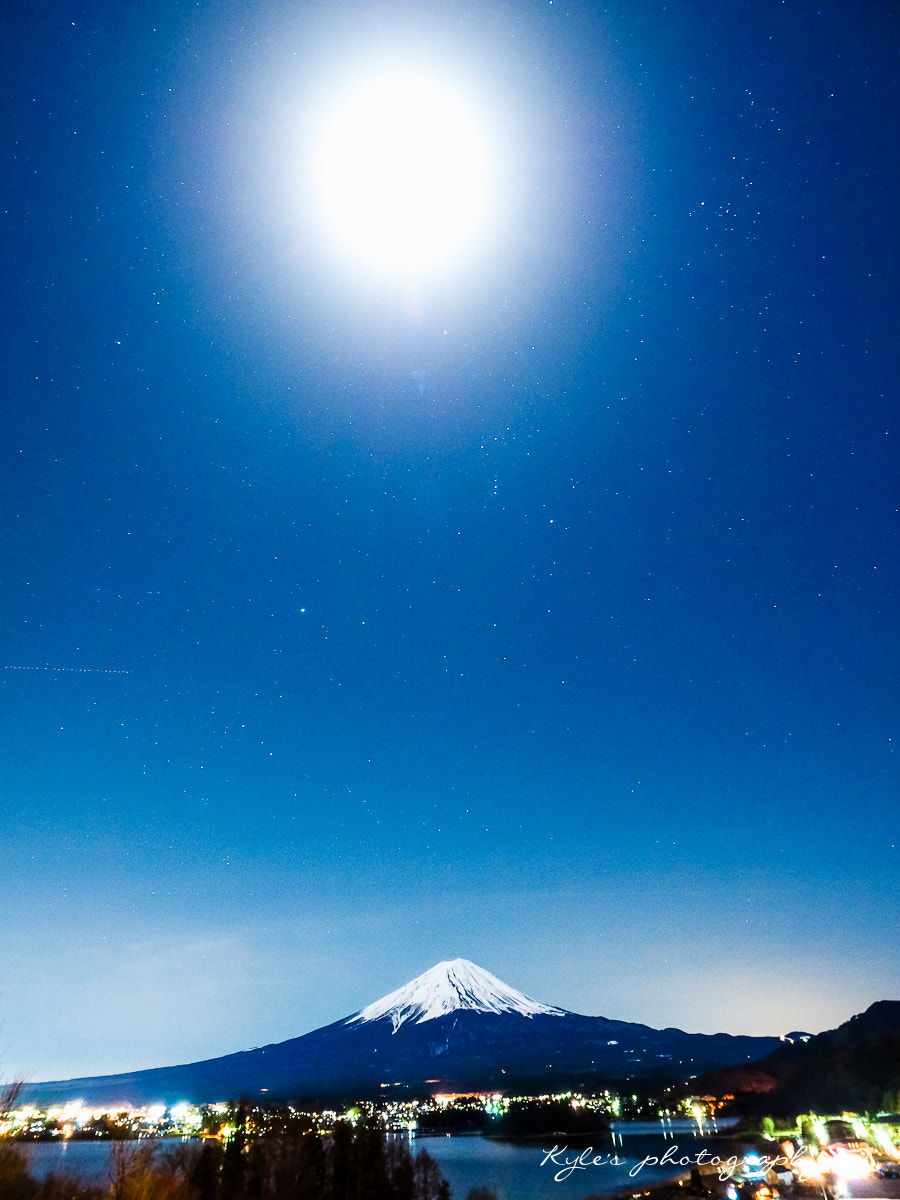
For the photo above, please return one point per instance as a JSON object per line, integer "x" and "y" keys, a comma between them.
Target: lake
{"x": 513, "y": 1169}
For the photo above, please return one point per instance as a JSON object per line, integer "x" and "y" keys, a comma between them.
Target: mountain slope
{"x": 455, "y": 1028}
{"x": 854, "y": 1066}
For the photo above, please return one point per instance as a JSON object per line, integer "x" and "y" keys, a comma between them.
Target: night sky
{"x": 538, "y": 606}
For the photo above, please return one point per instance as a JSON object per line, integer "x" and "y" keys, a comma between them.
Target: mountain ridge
{"x": 456, "y": 1027}
{"x": 855, "y": 1066}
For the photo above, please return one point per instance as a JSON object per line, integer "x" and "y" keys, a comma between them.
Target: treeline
{"x": 544, "y": 1118}
{"x": 288, "y": 1159}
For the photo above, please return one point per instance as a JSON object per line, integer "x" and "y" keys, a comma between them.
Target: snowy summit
{"x": 446, "y": 988}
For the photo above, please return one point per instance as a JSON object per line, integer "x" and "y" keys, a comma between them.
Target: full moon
{"x": 402, "y": 174}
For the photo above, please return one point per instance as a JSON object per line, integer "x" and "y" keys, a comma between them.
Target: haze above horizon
{"x": 529, "y": 594}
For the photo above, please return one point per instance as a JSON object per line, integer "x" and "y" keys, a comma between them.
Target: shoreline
{"x": 670, "y": 1189}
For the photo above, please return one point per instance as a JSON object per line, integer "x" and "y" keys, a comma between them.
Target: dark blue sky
{"x": 543, "y": 612}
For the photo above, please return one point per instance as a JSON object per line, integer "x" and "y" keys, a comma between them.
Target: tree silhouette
{"x": 234, "y": 1167}
{"x": 203, "y": 1175}
{"x": 428, "y": 1177}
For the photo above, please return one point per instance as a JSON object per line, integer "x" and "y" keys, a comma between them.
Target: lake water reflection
{"x": 523, "y": 1171}
{"x": 513, "y": 1169}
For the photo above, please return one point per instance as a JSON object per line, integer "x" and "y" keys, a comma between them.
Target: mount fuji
{"x": 446, "y": 988}
{"x": 454, "y": 1028}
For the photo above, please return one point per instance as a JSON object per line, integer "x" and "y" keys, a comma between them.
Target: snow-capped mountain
{"x": 446, "y": 988}
{"x": 454, "y": 1028}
